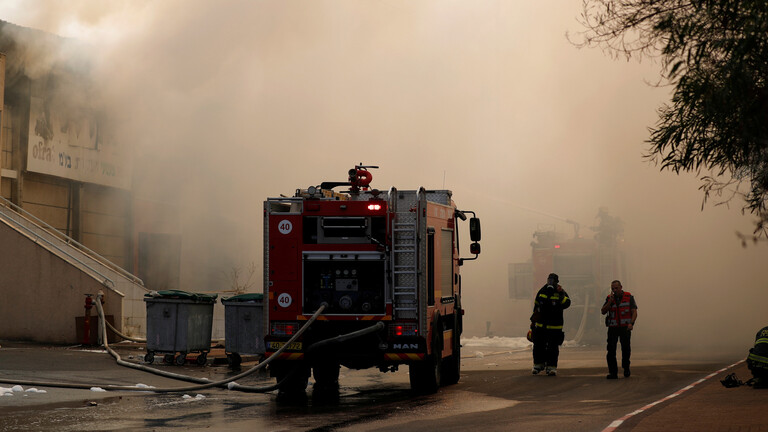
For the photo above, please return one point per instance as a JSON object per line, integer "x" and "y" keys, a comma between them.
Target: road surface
{"x": 496, "y": 392}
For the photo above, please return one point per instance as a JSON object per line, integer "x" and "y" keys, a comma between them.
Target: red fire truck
{"x": 371, "y": 257}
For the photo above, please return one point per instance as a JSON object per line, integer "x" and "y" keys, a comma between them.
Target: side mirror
{"x": 474, "y": 229}
{"x": 474, "y": 248}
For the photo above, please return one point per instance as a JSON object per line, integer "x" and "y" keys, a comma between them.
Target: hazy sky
{"x": 230, "y": 102}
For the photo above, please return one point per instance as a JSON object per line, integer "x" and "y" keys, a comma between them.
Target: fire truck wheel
{"x": 149, "y": 357}
{"x": 326, "y": 375}
{"x": 426, "y": 376}
{"x": 452, "y": 364}
{"x": 294, "y": 378}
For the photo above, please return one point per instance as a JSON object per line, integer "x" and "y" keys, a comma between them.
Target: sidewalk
{"x": 708, "y": 406}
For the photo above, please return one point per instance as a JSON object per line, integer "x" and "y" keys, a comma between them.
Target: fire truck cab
{"x": 369, "y": 256}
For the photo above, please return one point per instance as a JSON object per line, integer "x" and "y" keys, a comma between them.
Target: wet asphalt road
{"x": 496, "y": 392}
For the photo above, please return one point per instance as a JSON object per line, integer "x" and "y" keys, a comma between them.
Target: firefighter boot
{"x": 537, "y": 368}
{"x": 551, "y": 371}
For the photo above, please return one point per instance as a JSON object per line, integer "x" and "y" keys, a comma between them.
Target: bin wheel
{"x": 168, "y": 359}
{"x": 181, "y": 358}
{"x": 149, "y": 357}
{"x": 234, "y": 360}
{"x": 202, "y": 358}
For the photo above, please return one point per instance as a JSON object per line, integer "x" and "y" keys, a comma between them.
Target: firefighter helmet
{"x": 554, "y": 277}
{"x": 529, "y": 336}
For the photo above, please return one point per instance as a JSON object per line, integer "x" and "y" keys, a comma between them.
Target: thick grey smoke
{"x": 229, "y": 103}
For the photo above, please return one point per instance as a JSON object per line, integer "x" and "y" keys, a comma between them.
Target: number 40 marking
{"x": 285, "y": 226}
{"x": 284, "y": 300}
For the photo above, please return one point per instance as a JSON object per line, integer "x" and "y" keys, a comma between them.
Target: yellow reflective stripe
{"x": 550, "y": 327}
{"x": 564, "y": 299}
{"x": 756, "y": 357}
{"x": 543, "y": 295}
{"x": 403, "y": 356}
{"x": 761, "y": 340}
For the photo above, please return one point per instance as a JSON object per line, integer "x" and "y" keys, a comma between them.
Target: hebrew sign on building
{"x": 73, "y": 145}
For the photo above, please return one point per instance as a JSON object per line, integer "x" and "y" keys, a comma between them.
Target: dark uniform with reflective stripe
{"x": 548, "y": 327}
{"x": 757, "y": 360}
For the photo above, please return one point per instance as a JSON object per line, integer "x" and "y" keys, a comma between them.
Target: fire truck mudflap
{"x": 386, "y": 264}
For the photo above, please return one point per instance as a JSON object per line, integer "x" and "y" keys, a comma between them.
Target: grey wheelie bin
{"x": 243, "y": 322}
{"x": 178, "y": 322}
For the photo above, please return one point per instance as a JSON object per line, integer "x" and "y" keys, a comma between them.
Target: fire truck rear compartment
{"x": 351, "y": 283}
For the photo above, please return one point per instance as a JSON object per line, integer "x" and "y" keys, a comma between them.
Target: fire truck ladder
{"x": 404, "y": 256}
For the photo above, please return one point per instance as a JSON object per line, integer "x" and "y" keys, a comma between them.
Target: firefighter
{"x": 757, "y": 360}
{"x": 547, "y": 325}
{"x": 622, "y": 313}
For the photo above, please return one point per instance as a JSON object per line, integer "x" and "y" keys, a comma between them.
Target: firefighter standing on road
{"x": 547, "y": 325}
{"x": 757, "y": 361}
{"x": 622, "y": 314}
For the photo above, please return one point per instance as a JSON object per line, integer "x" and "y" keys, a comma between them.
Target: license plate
{"x": 278, "y": 345}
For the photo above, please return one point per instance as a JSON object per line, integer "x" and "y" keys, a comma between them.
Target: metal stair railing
{"x": 42, "y": 231}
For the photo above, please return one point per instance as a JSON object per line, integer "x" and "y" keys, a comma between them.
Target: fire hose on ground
{"x": 203, "y": 383}
{"x": 126, "y": 337}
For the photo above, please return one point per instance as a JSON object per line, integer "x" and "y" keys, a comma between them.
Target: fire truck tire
{"x": 294, "y": 378}
{"x": 426, "y": 376}
{"x": 452, "y": 364}
{"x": 326, "y": 375}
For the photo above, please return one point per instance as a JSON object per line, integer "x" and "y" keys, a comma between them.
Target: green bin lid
{"x": 250, "y": 297}
{"x": 178, "y": 294}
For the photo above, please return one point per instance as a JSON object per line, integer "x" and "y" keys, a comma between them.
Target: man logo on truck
{"x": 405, "y": 346}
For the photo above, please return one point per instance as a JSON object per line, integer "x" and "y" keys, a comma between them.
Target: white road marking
{"x": 616, "y": 423}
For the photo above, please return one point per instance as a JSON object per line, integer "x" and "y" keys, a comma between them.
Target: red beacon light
{"x": 557, "y": 246}
{"x": 374, "y": 206}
